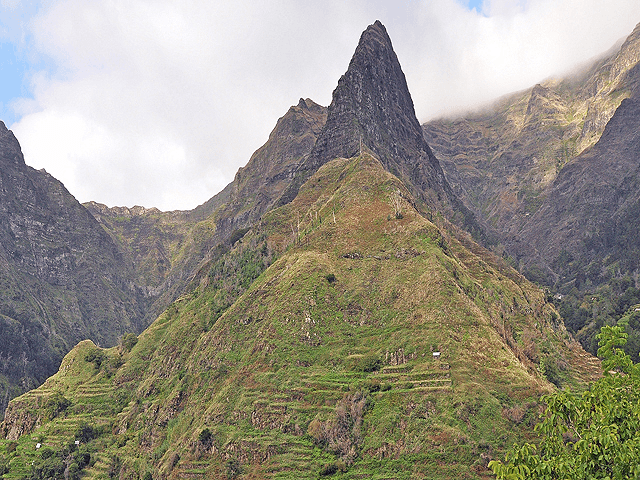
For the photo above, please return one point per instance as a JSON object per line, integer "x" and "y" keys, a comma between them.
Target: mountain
{"x": 553, "y": 173}
{"x": 62, "y": 279}
{"x": 344, "y": 332}
{"x": 71, "y": 272}
{"x": 167, "y": 248}
{"x": 502, "y": 160}
{"x": 325, "y": 361}
{"x": 591, "y": 209}
{"x": 271, "y": 169}
{"x": 372, "y": 111}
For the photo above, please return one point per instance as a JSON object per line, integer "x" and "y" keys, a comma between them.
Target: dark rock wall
{"x": 62, "y": 278}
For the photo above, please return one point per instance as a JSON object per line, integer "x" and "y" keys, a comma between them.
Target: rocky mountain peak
{"x": 372, "y": 105}
{"x": 311, "y": 106}
{"x": 629, "y": 53}
{"x": 372, "y": 111}
{"x": 10, "y": 151}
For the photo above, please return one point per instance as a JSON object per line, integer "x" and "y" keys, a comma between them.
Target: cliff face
{"x": 523, "y": 165}
{"x": 372, "y": 109}
{"x": 591, "y": 210}
{"x": 62, "y": 278}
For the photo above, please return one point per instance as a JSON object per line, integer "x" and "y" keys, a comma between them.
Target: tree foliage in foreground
{"x": 590, "y": 435}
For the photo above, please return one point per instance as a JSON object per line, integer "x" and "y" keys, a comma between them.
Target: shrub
{"x": 330, "y": 277}
{"x": 73, "y": 472}
{"x": 328, "y": 470}
{"x": 234, "y": 469}
{"x": 174, "y": 460}
{"x": 115, "y": 465}
{"x": 83, "y": 459}
{"x": 369, "y": 363}
{"x": 550, "y": 369}
{"x": 372, "y": 386}
{"x": 85, "y": 432}
{"x": 515, "y": 414}
{"x": 341, "y": 434}
{"x": 95, "y": 356}
{"x": 55, "y": 405}
{"x": 205, "y": 437}
{"x": 114, "y": 364}
{"x": 129, "y": 340}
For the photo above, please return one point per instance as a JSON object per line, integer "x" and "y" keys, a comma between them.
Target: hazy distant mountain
{"x": 553, "y": 173}
{"x": 521, "y": 164}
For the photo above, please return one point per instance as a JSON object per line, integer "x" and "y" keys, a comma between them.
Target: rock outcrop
{"x": 271, "y": 169}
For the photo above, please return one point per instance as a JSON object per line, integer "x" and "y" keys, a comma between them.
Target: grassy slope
{"x": 280, "y": 379}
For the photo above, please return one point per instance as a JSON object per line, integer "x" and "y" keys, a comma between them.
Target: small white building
{"x": 38, "y": 445}
{"x": 436, "y": 355}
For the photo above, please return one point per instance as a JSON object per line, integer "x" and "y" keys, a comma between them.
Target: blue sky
{"x": 159, "y": 102}
{"x": 12, "y": 68}
{"x": 17, "y": 61}
{"x": 475, "y": 4}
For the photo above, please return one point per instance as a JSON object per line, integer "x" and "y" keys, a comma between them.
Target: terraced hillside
{"x": 324, "y": 363}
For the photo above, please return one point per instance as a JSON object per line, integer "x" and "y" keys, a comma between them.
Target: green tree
{"x": 594, "y": 434}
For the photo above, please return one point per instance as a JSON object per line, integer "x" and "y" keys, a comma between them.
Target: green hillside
{"x": 307, "y": 350}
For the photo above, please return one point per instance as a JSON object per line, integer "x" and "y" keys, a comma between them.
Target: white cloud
{"x": 158, "y": 103}
{"x": 465, "y": 59}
